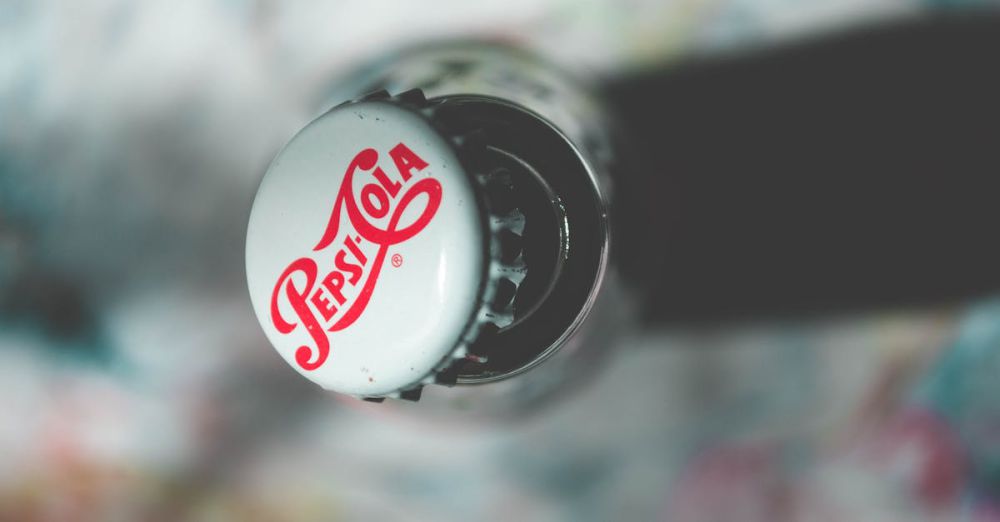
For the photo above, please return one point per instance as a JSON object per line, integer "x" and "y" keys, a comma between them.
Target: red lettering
{"x": 352, "y": 269}
{"x": 297, "y": 299}
{"x": 353, "y": 247}
{"x": 377, "y": 201}
{"x": 334, "y": 283}
{"x": 325, "y": 307}
{"x": 380, "y": 196}
{"x": 406, "y": 161}
{"x": 392, "y": 187}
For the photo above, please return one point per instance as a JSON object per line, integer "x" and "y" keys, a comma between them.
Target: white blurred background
{"x": 136, "y": 384}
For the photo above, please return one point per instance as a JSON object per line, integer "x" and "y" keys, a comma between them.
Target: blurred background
{"x": 135, "y": 383}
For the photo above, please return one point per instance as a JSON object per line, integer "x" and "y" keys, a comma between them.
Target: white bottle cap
{"x": 367, "y": 251}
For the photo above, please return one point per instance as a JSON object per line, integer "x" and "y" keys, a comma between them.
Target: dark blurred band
{"x": 851, "y": 172}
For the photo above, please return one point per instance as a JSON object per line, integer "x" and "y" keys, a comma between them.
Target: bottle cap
{"x": 376, "y": 251}
{"x": 399, "y": 241}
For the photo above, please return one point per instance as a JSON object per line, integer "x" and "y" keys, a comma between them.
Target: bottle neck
{"x": 562, "y": 248}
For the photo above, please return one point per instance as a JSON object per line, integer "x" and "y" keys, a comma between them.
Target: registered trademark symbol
{"x": 397, "y": 260}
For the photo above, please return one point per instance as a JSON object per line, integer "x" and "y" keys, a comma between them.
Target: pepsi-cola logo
{"x": 327, "y": 298}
